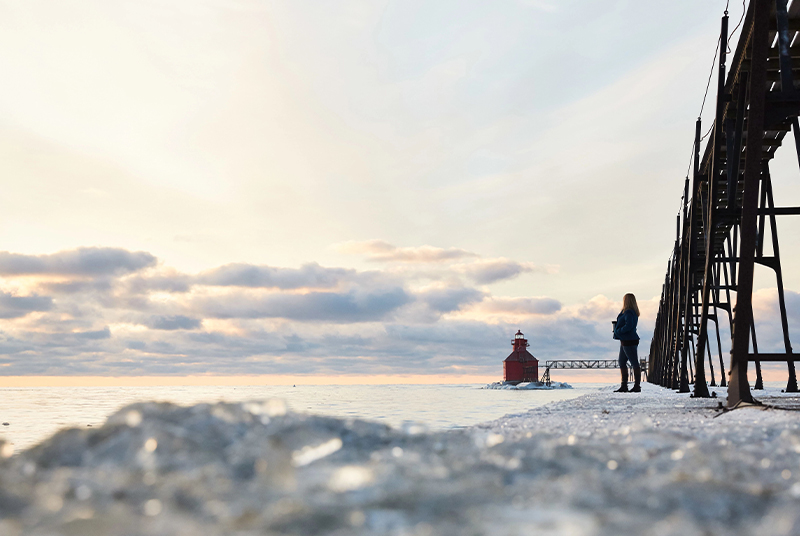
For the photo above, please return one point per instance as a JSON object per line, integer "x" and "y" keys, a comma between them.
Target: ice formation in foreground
{"x": 528, "y": 386}
{"x": 656, "y": 463}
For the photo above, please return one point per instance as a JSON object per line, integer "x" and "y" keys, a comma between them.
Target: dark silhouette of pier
{"x": 728, "y": 221}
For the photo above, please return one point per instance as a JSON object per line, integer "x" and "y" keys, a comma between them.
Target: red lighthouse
{"x": 520, "y": 366}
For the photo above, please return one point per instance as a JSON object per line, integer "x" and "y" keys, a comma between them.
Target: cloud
{"x": 350, "y": 306}
{"x": 76, "y": 286}
{"x": 80, "y": 262}
{"x": 600, "y": 307}
{"x": 384, "y": 347}
{"x": 18, "y": 306}
{"x": 99, "y": 334}
{"x": 445, "y": 300}
{"x": 167, "y": 281}
{"x": 767, "y": 318}
{"x": 169, "y": 323}
{"x": 523, "y": 306}
{"x": 382, "y": 251}
{"x": 443, "y": 263}
{"x": 464, "y": 334}
{"x": 247, "y": 275}
{"x": 489, "y": 271}
{"x": 135, "y": 316}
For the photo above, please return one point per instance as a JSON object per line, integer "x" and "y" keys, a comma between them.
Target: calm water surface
{"x": 35, "y": 413}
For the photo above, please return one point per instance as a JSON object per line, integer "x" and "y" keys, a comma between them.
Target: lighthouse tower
{"x": 520, "y": 366}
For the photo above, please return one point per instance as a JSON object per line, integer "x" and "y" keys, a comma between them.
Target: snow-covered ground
{"x": 652, "y": 463}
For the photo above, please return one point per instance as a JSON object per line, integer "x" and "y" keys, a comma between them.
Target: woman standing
{"x": 625, "y": 332}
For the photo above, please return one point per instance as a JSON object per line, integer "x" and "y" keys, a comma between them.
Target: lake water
{"x": 33, "y": 414}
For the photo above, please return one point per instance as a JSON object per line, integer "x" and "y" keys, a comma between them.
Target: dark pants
{"x": 628, "y": 354}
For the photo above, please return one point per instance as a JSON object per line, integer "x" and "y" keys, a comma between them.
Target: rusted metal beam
{"x": 791, "y": 358}
{"x": 780, "y": 211}
{"x": 700, "y": 386}
{"x": 791, "y": 386}
{"x": 738, "y": 387}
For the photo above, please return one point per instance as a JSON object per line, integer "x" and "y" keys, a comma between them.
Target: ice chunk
{"x": 309, "y": 454}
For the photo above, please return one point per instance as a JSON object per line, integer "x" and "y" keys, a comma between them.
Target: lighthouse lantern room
{"x": 520, "y": 366}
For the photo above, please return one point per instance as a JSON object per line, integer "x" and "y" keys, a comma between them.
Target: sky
{"x": 344, "y": 189}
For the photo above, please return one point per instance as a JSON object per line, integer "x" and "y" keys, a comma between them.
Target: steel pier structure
{"x": 728, "y": 213}
{"x": 574, "y": 364}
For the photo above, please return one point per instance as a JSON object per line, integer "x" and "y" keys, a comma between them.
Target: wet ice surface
{"x": 35, "y": 414}
{"x": 654, "y": 463}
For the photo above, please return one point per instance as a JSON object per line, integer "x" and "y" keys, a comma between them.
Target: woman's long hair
{"x": 629, "y": 302}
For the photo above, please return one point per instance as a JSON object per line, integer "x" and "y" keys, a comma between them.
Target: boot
{"x": 623, "y": 388}
{"x": 637, "y": 380}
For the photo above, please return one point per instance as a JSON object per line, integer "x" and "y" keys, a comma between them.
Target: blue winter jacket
{"x": 625, "y": 329}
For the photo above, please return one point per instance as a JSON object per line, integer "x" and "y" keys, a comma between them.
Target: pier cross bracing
{"x": 728, "y": 206}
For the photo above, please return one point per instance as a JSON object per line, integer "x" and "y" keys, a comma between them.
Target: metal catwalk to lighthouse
{"x": 520, "y": 366}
